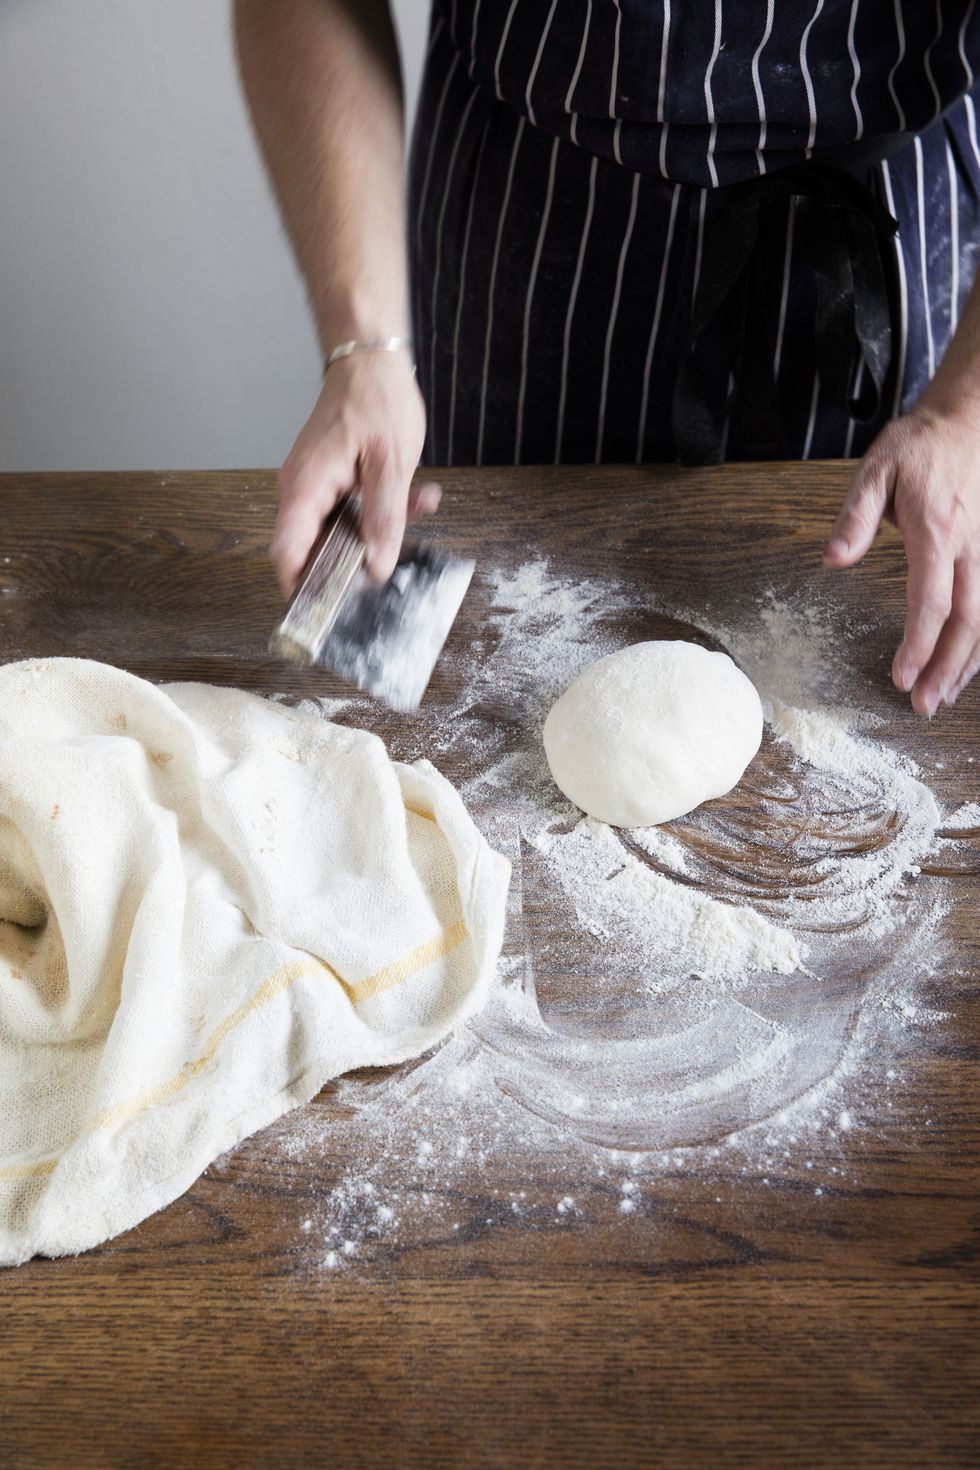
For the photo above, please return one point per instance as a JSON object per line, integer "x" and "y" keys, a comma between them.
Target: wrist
{"x": 359, "y": 346}
{"x": 957, "y": 410}
{"x": 954, "y": 396}
{"x": 365, "y": 384}
{"x": 361, "y": 317}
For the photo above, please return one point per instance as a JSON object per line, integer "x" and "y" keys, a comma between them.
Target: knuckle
{"x": 933, "y": 606}
{"x": 928, "y": 535}
{"x": 943, "y": 528}
{"x": 377, "y": 447}
{"x": 385, "y": 466}
{"x": 946, "y": 520}
{"x": 286, "y": 479}
{"x": 297, "y": 479}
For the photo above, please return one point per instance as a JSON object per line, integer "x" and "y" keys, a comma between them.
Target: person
{"x": 641, "y": 231}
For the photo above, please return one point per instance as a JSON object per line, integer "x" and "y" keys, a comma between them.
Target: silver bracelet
{"x": 375, "y": 344}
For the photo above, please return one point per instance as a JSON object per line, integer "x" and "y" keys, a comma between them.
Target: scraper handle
{"x": 334, "y": 562}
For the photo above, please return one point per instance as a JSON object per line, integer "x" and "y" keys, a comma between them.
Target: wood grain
{"x": 737, "y": 1320}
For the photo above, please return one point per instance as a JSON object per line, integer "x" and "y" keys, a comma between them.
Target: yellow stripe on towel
{"x": 24, "y": 1171}
{"x": 418, "y": 812}
{"x": 409, "y": 965}
{"x": 276, "y": 983}
{"x": 384, "y": 979}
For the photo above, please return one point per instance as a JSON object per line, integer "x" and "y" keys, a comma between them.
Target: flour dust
{"x": 726, "y": 983}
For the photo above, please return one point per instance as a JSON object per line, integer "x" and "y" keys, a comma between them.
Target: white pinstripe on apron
{"x": 568, "y": 158}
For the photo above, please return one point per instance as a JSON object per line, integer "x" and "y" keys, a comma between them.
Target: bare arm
{"x": 323, "y": 81}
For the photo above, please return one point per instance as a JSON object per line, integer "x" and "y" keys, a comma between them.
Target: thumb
{"x": 860, "y": 516}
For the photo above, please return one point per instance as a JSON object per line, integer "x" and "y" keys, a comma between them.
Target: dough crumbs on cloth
{"x": 208, "y": 933}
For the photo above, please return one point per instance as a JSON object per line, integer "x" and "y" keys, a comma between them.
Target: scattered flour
{"x": 695, "y": 991}
{"x": 964, "y": 817}
{"x": 621, "y": 899}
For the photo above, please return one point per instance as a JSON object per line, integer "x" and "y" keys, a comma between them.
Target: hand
{"x": 367, "y": 429}
{"x": 923, "y": 472}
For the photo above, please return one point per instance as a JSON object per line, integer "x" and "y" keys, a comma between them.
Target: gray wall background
{"x": 150, "y": 313}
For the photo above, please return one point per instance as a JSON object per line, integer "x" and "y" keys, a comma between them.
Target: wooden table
{"x": 748, "y": 1323}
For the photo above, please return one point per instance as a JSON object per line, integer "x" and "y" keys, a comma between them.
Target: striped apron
{"x": 577, "y": 171}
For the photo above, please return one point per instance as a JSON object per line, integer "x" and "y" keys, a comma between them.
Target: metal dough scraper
{"x": 383, "y": 639}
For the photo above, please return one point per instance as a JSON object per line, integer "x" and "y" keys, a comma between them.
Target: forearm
{"x": 955, "y": 388}
{"x": 323, "y": 83}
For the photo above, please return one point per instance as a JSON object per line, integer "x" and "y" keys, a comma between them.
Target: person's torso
{"x": 714, "y": 93}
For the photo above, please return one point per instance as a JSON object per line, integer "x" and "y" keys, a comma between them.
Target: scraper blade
{"x": 384, "y": 639}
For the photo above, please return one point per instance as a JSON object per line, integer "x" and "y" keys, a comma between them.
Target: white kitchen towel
{"x": 209, "y": 906}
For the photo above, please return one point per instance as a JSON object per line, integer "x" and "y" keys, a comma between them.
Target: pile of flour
{"x": 724, "y": 983}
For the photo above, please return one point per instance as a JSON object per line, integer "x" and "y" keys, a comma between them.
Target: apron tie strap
{"x": 842, "y": 229}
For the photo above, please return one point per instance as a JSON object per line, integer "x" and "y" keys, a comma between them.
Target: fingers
{"x": 861, "y": 514}
{"x": 384, "y": 481}
{"x": 920, "y": 472}
{"x": 930, "y": 594}
{"x": 948, "y": 668}
{"x": 423, "y": 500}
{"x": 970, "y": 671}
{"x": 306, "y": 497}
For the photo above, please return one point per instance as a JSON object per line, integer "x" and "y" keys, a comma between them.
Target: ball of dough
{"x": 650, "y": 732}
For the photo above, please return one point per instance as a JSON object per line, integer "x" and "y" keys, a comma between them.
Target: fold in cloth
{"x": 210, "y": 905}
